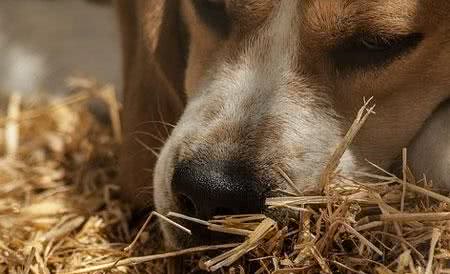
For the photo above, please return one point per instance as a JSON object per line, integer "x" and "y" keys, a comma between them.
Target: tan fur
{"x": 268, "y": 93}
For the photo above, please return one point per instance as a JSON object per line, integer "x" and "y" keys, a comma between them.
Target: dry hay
{"x": 59, "y": 212}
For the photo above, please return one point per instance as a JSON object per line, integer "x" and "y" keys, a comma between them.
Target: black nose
{"x": 217, "y": 188}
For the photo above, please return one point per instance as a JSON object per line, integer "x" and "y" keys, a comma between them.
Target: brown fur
{"x": 406, "y": 91}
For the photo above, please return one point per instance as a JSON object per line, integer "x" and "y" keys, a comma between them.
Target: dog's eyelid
{"x": 368, "y": 50}
{"x": 372, "y": 40}
{"x": 375, "y": 42}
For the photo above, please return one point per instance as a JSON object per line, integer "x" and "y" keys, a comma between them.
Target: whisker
{"x": 153, "y": 151}
{"x": 158, "y": 138}
{"x": 143, "y": 192}
{"x": 161, "y": 116}
{"x": 160, "y": 134}
{"x": 156, "y": 122}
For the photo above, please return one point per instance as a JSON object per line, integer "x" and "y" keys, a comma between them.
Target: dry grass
{"x": 59, "y": 212}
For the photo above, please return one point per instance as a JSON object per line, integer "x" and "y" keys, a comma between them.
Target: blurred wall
{"x": 44, "y": 41}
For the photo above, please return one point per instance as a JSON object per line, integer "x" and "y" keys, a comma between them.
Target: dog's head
{"x": 276, "y": 84}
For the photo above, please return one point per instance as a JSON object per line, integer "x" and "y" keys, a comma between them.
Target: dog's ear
{"x": 153, "y": 66}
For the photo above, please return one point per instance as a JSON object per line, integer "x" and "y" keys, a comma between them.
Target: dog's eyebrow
{"x": 213, "y": 14}
{"x": 332, "y": 21}
{"x": 388, "y": 17}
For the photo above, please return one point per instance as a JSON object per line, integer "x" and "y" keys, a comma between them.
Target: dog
{"x": 247, "y": 87}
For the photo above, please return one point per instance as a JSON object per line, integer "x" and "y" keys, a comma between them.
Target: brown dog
{"x": 260, "y": 84}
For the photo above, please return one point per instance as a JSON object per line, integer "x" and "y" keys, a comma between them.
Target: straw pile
{"x": 59, "y": 212}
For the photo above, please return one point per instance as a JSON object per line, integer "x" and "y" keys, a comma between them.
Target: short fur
{"x": 268, "y": 93}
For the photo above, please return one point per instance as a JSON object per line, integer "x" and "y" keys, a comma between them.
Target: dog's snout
{"x": 217, "y": 188}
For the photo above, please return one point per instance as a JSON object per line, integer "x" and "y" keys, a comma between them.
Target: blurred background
{"x": 42, "y": 42}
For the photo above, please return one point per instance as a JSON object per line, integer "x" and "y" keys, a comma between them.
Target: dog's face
{"x": 276, "y": 84}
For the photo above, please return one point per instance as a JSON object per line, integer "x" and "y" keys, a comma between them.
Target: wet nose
{"x": 215, "y": 188}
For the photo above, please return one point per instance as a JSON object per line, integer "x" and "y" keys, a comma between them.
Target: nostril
{"x": 186, "y": 205}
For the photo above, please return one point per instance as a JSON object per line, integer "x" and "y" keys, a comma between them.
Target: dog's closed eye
{"x": 371, "y": 51}
{"x": 213, "y": 13}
